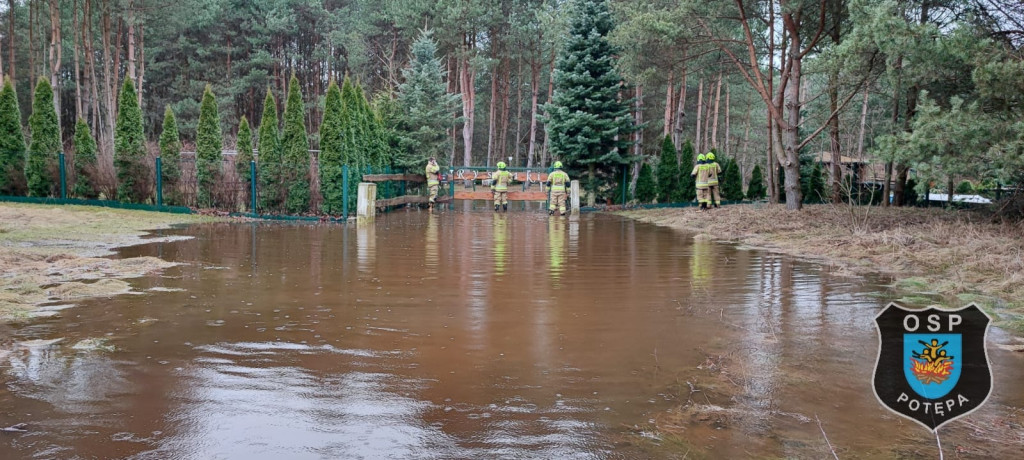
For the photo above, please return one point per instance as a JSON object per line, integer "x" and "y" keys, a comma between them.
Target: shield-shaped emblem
{"x": 932, "y": 364}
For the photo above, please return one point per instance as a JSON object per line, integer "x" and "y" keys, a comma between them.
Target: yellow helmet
{"x": 700, "y": 157}
{"x": 710, "y": 156}
{"x": 557, "y": 165}
{"x": 501, "y": 165}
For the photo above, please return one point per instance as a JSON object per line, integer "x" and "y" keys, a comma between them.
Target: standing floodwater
{"x": 464, "y": 335}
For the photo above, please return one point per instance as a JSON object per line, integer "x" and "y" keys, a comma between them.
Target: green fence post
{"x": 451, "y": 188}
{"x": 159, "y": 182}
{"x": 344, "y": 191}
{"x": 252, "y": 184}
{"x": 63, "y": 178}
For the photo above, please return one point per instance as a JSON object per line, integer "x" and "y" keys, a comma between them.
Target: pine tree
{"x": 209, "y": 144}
{"x": 41, "y": 168}
{"x": 243, "y": 160}
{"x": 668, "y": 173}
{"x": 295, "y": 152}
{"x": 12, "y": 143}
{"x": 588, "y": 124}
{"x": 269, "y": 162}
{"x": 85, "y": 162}
{"x": 426, "y": 107}
{"x": 129, "y": 148}
{"x": 646, "y": 190}
{"x": 331, "y": 151}
{"x": 170, "y": 157}
{"x": 732, "y": 182}
{"x": 756, "y": 190}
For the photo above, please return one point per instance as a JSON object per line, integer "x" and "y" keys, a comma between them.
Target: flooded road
{"x": 471, "y": 335}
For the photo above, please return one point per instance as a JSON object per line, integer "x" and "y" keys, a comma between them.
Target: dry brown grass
{"x": 49, "y": 253}
{"x": 957, "y": 254}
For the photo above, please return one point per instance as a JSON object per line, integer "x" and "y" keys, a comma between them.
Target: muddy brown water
{"x": 469, "y": 334}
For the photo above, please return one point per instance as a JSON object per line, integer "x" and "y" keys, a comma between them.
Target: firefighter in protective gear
{"x": 558, "y": 180}
{"x": 700, "y": 173}
{"x": 433, "y": 180}
{"x": 499, "y": 185}
{"x": 713, "y": 171}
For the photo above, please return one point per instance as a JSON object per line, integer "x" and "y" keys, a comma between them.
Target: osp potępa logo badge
{"x": 932, "y": 364}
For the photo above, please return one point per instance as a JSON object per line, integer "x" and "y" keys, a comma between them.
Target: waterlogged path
{"x": 471, "y": 335}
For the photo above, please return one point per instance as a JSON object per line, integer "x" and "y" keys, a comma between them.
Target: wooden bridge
{"x": 468, "y": 184}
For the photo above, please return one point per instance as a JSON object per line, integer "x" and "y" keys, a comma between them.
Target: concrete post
{"x": 574, "y": 198}
{"x": 366, "y": 205}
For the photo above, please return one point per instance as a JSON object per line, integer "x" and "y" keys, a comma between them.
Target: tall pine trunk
{"x": 551, "y": 90}
{"x": 108, "y": 83}
{"x": 677, "y": 135}
{"x": 505, "y": 96}
{"x": 698, "y": 145}
{"x": 519, "y": 108}
{"x": 714, "y": 123}
{"x": 668, "y": 102}
{"x": 535, "y": 92}
{"x": 78, "y": 71}
{"x": 491, "y": 119}
{"x": 10, "y": 45}
{"x": 467, "y": 77}
{"x": 56, "y": 49}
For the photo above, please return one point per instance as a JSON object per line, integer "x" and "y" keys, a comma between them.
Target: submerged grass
{"x": 958, "y": 256}
{"x": 50, "y": 253}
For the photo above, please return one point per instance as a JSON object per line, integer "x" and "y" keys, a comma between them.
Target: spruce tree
{"x": 589, "y": 125}
{"x": 295, "y": 152}
{"x": 646, "y": 190}
{"x": 41, "y": 168}
{"x": 243, "y": 161}
{"x": 209, "y": 144}
{"x": 756, "y": 190}
{"x": 687, "y": 183}
{"x": 85, "y": 162}
{"x": 426, "y": 107}
{"x": 731, "y": 181}
{"x": 170, "y": 157}
{"x": 331, "y": 151}
{"x": 12, "y": 143}
{"x": 129, "y": 147}
{"x": 668, "y": 173}
{"x": 271, "y": 196}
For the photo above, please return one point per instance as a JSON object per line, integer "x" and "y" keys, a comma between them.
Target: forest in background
{"x": 929, "y": 87}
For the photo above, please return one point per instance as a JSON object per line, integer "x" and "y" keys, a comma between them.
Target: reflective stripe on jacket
{"x": 558, "y": 179}
{"x": 713, "y": 171}
{"x": 432, "y": 176}
{"x": 500, "y": 180}
{"x": 701, "y": 170}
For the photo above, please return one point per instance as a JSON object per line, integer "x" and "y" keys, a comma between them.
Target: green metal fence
{"x": 261, "y": 190}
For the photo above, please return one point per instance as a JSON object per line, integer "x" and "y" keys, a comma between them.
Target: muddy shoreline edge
{"x": 933, "y": 256}
{"x": 56, "y": 255}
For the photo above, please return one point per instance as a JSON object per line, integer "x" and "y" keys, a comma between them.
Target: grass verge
{"x": 52, "y": 253}
{"x": 958, "y": 256}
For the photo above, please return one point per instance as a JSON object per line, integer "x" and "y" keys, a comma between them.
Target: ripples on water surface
{"x": 456, "y": 335}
